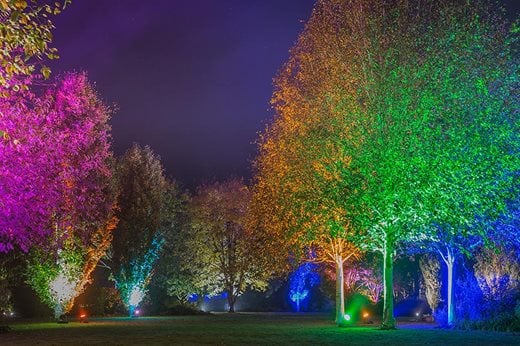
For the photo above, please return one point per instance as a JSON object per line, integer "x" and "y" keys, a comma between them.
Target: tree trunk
{"x": 231, "y": 301}
{"x": 340, "y": 293}
{"x": 298, "y": 304}
{"x": 449, "y": 259}
{"x": 58, "y": 311}
{"x": 131, "y": 310}
{"x": 388, "y": 292}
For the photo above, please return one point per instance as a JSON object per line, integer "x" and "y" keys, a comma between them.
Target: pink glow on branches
{"x": 53, "y": 162}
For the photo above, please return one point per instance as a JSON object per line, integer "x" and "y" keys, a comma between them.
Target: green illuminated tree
{"x": 473, "y": 139}
{"x": 59, "y": 276}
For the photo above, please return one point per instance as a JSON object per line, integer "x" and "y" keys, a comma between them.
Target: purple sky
{"x": 191, "y": 78}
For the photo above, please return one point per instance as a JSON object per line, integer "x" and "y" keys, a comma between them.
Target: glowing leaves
{"x": 132, "y": 280}
{"x": 25, "y": 38}
{"x": 300, "y": 281}
{"x": 58, "y": 277}
{"x": 54, "y": 162}
{"x": 143, "y": 213}
{"x": 224, "y": 253}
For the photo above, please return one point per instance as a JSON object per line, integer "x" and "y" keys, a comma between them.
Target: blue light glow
{"x": 300, "y": 282}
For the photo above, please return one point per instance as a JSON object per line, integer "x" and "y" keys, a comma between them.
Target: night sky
{"x": 190, "y": 78}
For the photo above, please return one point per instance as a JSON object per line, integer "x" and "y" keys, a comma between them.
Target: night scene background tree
{"x": 142, "y": 194}
{"x": 223, "y": 252}
{"x": 384, "y": 185}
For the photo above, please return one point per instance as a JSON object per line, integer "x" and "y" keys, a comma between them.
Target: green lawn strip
{"x": 239, "y": 329}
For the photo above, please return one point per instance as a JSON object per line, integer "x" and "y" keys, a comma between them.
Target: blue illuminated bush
{"x": 301, "y": 282}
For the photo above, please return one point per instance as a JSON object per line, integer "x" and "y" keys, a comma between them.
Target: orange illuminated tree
{"x": 304, "y": 195}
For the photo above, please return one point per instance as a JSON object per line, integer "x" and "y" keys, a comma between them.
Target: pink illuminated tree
{"x": 54, "y": 164}
{"x": 77, "y": 227}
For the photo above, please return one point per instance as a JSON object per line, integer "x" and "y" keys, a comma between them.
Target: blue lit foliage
{"x": 132, "y": 281}
{"x": 300, "y": 283}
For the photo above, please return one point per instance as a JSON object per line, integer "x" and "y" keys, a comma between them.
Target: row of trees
{"x": 396, "y": 131}
{"x": 396, "y": 128}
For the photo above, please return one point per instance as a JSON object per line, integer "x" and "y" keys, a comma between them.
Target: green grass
{"x": 239, "y": 329}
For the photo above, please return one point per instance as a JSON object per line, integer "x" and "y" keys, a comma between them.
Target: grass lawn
{"x": 239, "y": 329}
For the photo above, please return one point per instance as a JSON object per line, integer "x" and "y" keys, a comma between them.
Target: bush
{"x": 502, "y": 322}
{"x": 441, "y": 315}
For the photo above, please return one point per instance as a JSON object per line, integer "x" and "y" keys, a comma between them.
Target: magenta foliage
{"x": 54, "y": 162}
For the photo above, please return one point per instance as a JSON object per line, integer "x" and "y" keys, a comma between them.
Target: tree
{"x": 430, "y": 269}
{"x": 221, "y": 249}
{"x": 55, "y": 165}
{"x": 81, "y": 215}
{"x": 301, "y": 281}
{"x": 341, "y": 88}
{"x": 142, "y": 197}
{"x": 304, "y": 189}
{"x": 497, "y": 273}
{"x": 473, "y": 139}
{"x": 132, "y": 281}
{"x": 25, "y": 36}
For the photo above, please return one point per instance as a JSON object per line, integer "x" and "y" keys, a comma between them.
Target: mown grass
{"x": 239, "y": 329}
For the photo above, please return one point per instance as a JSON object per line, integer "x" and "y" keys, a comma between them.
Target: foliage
{"x": 5, "y": 292}
{"x": 371, "y": 284}
{"x": 181, "y": 286}
{"x": 492, "y": 307}
{"x": 54, "y": 278}
{"x": 497, "y": 273}
{"x": 144, "y": 197}
{"x": 362, "y": 278}
{"x": 132, "y": 281}
{"x": 75, "y": 190}
{"x": 25, "y": 36}
{"x": 430, "y": 269}
{"x": 401, "y": 114}
{"x": 169, "y": 278}
{"x": 301, "y": 281}
{"x": 54, "y": 164}
{"x": 224, "y": 253}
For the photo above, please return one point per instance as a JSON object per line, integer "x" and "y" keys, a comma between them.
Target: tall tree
{"x": 473, "y": 140}
{"x": 222, "y": 250}
{"x": 81, "y": 215}
{"x": 143, "y": 196}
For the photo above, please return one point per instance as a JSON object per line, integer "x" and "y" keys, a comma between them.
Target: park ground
{"x": 240, "y": 329}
